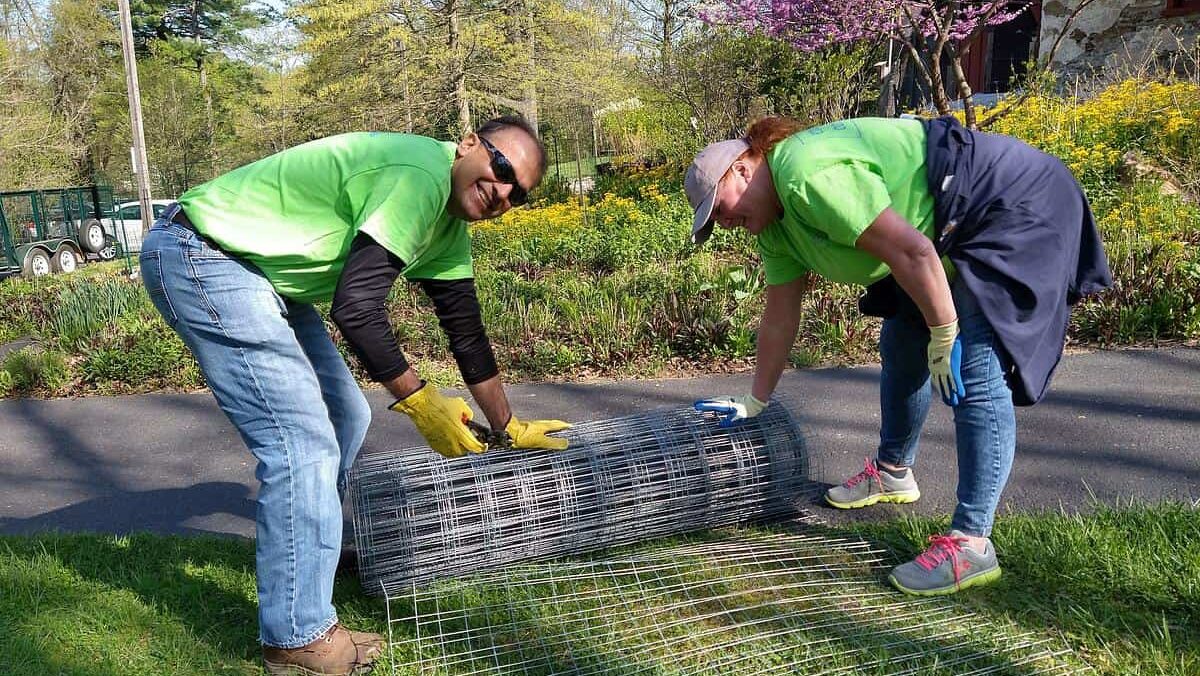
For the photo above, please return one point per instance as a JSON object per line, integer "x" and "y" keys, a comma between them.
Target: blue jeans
{"x": 277, "y": 375}
{"x": 984, "y": 422}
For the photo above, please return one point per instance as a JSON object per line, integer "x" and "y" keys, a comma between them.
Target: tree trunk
{"x": 668, "y": 29}
{"x": 208, "y": 119}
{"x": 208, "y": 102}
{"x": 964, "y": 91}
{"x": 406, "y": 97}
{"x": 459, "y": 73}
{"x": 886, "y": 106}
{"x": 938, "y": 87}
{"x": 531, "y": 96}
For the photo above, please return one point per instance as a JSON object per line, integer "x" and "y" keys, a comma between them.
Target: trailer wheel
{"x": 91, "y": 236}
{"x": 37, "y": 263}
{"x": 66, "y": 259}
{"x": 110, "y": 250}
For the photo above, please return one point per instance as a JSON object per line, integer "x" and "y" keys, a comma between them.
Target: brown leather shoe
{"x": 339, "y": 652}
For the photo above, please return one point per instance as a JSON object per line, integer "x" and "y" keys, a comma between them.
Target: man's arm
{"x": 359, "y": 309}
{"x": 459, "y": 314}
{"x": 457, "y": 305}
{"x": 360, "y": 312}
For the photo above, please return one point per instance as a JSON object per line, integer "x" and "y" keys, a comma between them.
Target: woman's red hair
{"x": 765, "y": 133}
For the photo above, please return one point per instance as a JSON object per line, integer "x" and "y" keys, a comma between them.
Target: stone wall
{"x": 1111, "y": 33}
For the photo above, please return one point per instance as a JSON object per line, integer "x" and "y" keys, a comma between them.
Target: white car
{"x": 128, "y": 226}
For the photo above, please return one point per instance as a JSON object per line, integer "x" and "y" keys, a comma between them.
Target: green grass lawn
{"x": 1121, "y": 585}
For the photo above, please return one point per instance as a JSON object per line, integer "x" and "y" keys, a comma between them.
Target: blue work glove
{"x": 734, "y": 409}
{"x": 945, "y": 362}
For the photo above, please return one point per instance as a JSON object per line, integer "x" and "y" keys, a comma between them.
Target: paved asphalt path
{"x": 1117, "y": 425}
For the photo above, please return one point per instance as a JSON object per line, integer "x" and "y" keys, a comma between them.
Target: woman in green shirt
{"x": 859, "y": 201}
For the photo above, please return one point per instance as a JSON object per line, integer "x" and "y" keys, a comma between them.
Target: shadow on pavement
{"x": 165, "y": 511}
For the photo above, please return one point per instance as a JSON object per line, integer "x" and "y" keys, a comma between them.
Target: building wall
{"x": 1110, "y": 33}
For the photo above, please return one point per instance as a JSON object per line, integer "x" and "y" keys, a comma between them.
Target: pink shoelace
{"x": 942, "y": 547}
{"x": 869, "y": 470}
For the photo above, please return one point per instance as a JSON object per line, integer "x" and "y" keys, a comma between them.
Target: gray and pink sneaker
{"x": 873, "y": 485}
{"x": 947, "y": 566}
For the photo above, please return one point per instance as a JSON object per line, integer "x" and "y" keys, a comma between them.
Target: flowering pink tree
{"x": 928, "y": 29}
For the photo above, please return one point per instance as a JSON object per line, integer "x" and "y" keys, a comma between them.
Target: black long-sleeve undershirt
{"x": 360, "y": 313}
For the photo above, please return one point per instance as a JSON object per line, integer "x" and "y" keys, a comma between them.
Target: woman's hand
{"x": 733, "y": 410}
{"x": 945, "y": 362}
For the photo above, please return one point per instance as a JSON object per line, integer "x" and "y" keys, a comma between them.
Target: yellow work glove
{"x": 945, "y": 362}
{"x": 532, "y": 434}
{"x": 442, "y": 421}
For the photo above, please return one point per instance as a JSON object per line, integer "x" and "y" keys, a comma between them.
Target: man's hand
{"x": 734, "y": 409}
{"x": 442, "y": 421}
{"x": 532, "y": 434}
{"x": 945, "y": 362}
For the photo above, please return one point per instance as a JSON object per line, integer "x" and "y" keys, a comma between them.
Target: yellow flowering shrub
{"x": 547, "y": 221}
{"x": 1092, "y": 135}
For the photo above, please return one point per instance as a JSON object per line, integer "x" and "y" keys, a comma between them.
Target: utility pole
{"x": 140, "y": 169}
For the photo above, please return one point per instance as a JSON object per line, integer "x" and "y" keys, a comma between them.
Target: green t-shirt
{"x": 293, "y": 214}
{"x": 833, "y": 182}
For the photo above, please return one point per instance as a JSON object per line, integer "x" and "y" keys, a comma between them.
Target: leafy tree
{"x": 930, "y": 30}
{"x": 33, "y": 141}
{"x": 397, "y": 64}
{"x": 199, "y": 33}
{"x": 720, "y": 80}
{"x": 82, "y": 56}
{"x": 207, "y": 24}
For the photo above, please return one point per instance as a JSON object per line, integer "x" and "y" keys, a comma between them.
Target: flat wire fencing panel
{"x": 730, "y": 603}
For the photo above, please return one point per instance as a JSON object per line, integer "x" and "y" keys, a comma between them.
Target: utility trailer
{"x": 51, "y": 230}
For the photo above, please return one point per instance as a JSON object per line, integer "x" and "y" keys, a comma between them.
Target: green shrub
{"x": 142, "y": 354}
{"x": 34, "y": 370}
{"x": 657, "y": 131}
{"x": 1153, "y": 245}
{"x": 553, "y": 189}
{"x": 87, "y": 308}
{"x": 633, "y": 180}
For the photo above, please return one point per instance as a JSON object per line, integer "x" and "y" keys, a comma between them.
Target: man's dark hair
{"x": 515, "y": 122}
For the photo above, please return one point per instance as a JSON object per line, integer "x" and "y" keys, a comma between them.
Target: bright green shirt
{"x": 293, "y": 214}
{"x": 833, "y": 182}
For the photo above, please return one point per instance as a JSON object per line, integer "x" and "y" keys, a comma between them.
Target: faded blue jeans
{"x": 985, "y": 424}
{"x": 277, "y": 375}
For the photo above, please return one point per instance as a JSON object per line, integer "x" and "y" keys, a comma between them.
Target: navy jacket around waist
{"x": 1019, "y": 230}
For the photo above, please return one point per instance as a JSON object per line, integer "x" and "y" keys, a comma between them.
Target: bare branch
{"x": 999, "y": 113}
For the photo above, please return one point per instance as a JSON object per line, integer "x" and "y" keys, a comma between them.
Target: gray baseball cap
{"x": 700, "y": 182}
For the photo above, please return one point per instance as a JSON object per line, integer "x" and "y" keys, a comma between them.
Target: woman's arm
{"x": 780, "y": 321}
{"x": 914, "y": 263}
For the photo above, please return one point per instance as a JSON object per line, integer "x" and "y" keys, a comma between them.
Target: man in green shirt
{"x": 234, "y": 269}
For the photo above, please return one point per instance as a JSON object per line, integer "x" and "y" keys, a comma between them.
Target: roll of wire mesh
{"x": 419, "y": 517}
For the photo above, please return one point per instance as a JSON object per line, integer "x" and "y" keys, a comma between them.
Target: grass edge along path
{"x": 1121, "y": 584}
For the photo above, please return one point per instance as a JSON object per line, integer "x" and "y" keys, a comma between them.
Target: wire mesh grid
{"x": 718, "y": 603}
{"x": 469, "y": 557}
{"x": 418, "y": 516}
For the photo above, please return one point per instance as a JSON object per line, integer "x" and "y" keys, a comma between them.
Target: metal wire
{"x": 456, "y": 547}
{"x": 419, "y": 517}
{"x": 762, "y": 603}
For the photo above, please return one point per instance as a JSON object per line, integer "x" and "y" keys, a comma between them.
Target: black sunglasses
{"x": 505, "y": 172}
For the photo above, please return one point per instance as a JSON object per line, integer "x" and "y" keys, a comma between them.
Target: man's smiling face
{"x": 476, "y": 191}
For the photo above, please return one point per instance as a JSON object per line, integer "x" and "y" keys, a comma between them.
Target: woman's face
{"x": 746, "y": 197}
